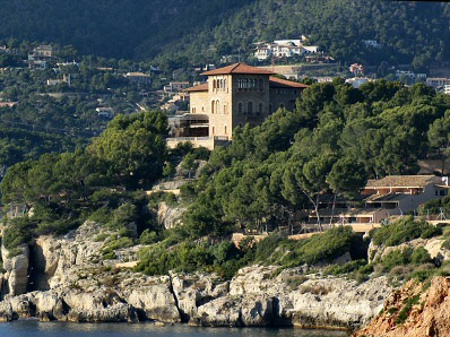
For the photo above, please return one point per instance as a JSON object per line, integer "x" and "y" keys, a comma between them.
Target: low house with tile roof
{"x": 389, "y": 196}
{"x": 234, "y": 96}
{"x": 404, "y": 193}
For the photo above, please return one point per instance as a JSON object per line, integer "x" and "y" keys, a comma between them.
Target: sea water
{"x": 33, "y": 328}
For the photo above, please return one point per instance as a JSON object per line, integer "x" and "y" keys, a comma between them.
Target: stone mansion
{"x": 232, "y": 96}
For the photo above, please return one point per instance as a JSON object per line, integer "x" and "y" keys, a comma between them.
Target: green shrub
{"x": 423, "y": 272}
{"x": 444, "y": 270}
{"x": 201, "y": 153}
{"x": 320, "y": 248}
{"x": 404, "y": 230}
{"x": 397, "y": 258}
{"x": 148, "y": 237}
{"x": 430, "y": 207}
{"x": 110, "y": 255}
{"x": 346, "y": 268}
{"x": 188, "y": 192}
{"x": 118, "y": 243}
{"x": 101, "y": 237}
{"x": 403, "y": 314}
{"x": 19, "y": 231}
{"x": 101, "y": 216}
{"x": 446, "y": 244}
{"x": 295, "y": 281}
{"x": 265, "y": 248}
{"x": 392, "y": 310}
{"x": 420, "y": 256}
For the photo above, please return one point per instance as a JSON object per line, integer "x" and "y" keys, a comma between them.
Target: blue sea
{"x": 33, "y": 328}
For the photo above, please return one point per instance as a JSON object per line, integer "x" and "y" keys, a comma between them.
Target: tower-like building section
{"x": 234, "y": 96}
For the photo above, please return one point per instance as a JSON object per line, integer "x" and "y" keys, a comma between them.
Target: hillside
{"x": 115, "y": 28}
{"x": 410, "y": 32}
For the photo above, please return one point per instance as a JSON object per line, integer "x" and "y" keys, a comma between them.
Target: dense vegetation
{"x": 99, "y": 182}
{"x": 403, "y": 231}
{"x": 225, "y": 259}
{"x": 116, "y": 28}
{"x": 337, "y": 138}
{"x": 326, "y": 149}
{"x": 410, "y": 32}
{"x": 57, "y": 118}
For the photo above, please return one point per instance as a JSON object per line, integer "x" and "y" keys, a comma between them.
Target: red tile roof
{"x": 238, "y": 68}
{"x": 198, "y": 88}
{"x": 280, "y": 83}
{"x": 402, "y": 181}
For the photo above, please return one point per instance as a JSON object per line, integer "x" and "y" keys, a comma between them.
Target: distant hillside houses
{"x": 283, "y": 48}
{"x": 441, "y": 84}
{"x": 372, "y": 43}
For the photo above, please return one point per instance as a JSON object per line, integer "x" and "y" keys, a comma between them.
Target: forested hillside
{"x": 335, "y": 140}
{"x": 114, "y": 28}
{"x": 411, "y": 32}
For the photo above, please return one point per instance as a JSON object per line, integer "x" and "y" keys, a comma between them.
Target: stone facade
{"x": 240, "y": 94}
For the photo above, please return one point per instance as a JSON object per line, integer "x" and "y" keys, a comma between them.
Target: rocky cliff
{"x": 66, "y": 279}
{"x": 416, "y": 310}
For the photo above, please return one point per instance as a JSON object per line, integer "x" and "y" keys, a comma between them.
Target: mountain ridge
{"x": 411, "y": 33}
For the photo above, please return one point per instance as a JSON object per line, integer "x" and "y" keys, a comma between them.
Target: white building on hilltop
{"x": 283, "y": 48}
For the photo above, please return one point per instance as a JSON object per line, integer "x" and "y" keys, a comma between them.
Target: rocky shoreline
{"x": 70, "y": 282}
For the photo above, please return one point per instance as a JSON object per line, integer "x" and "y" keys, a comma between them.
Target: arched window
{"x": 217, "y": 106}
{"x": 240, "y": 107}
{"x": 245, "y": 83}
{"x": 214, "y": 84}
{"x": 225, "y": 129}
{"x": 240, "y": 85}
{"x": 213, "y": 107}
{"x": 221, "y": 84}
{"x": 225, "y": 84}
{"x": 250, "y": 107}
{"x": 260, "y": 108}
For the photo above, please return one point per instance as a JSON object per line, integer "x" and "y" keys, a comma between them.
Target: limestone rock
{"x": 224, "y": 311}
{"x": 16, "y": 270}
{"x": 6, "y": 313}
{"x": 156, "y": 300}
{"x": 334, "y": 302}
{"x": 49, "y": 306}
{"x": 194, "y": 290}
{"x": 169, "y": 217}
{"x": 21, "y": 306}
{"x": 46, "y": 253}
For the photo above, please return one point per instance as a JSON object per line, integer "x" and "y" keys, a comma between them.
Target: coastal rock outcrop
{"x": 70, "y": 281}
{"x": 193, "y": 291}
{"x": 16, "y": 266}
{"x": 416, "y": 310}
{"x": 433, "y": 246}
{"x": 153, "y": 301}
